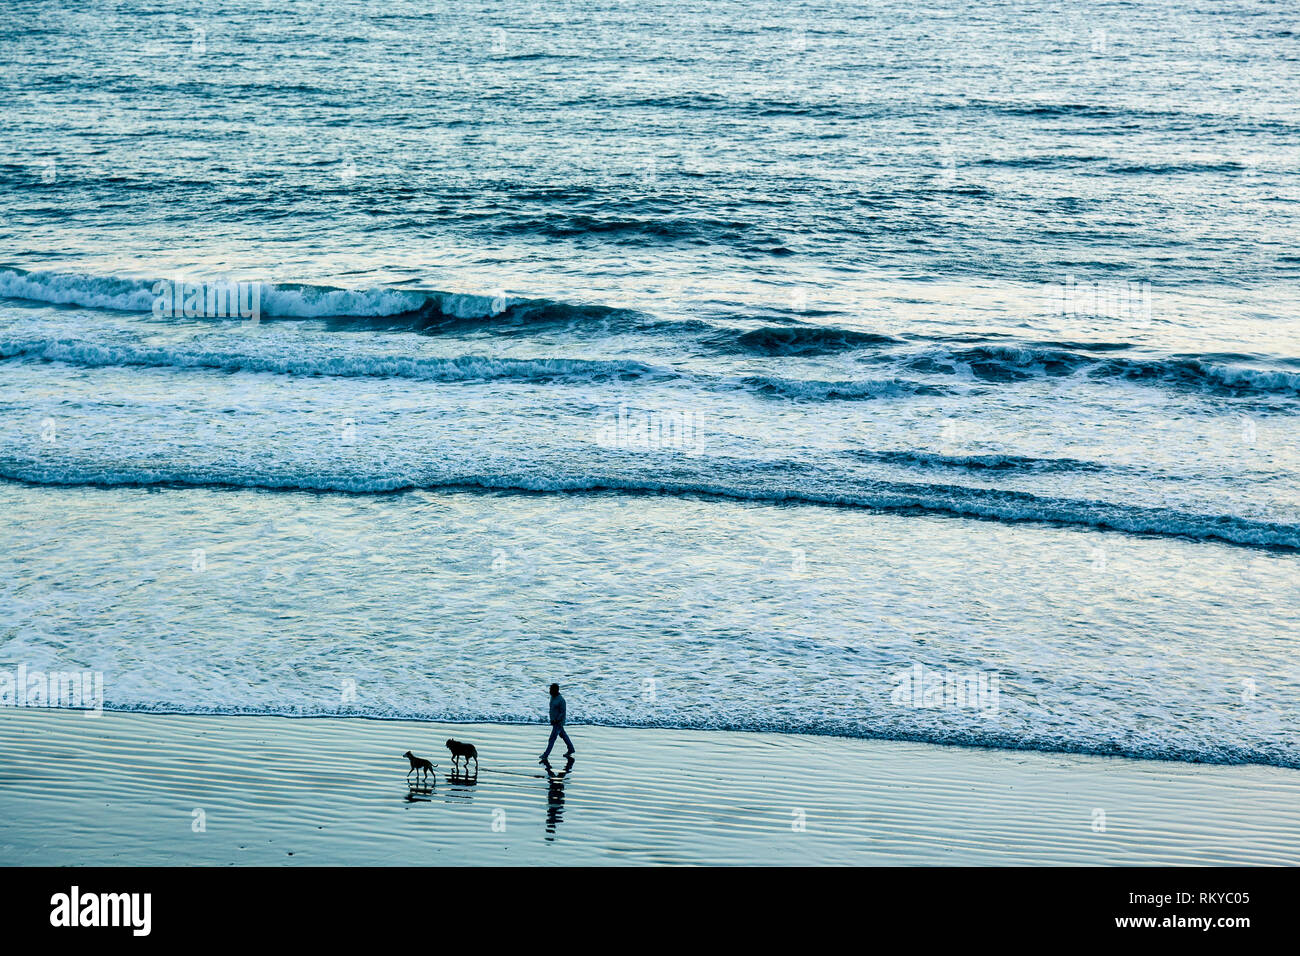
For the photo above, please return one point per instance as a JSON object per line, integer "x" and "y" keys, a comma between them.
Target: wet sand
{"x": 142, "y": 789}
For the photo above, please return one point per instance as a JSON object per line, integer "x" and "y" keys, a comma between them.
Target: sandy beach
{"x": 153, "y": 789}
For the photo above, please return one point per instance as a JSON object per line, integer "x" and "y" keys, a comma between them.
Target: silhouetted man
{"x": 557, "y": 724}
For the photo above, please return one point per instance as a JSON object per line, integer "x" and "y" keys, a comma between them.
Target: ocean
{"x": 871, "y": 369}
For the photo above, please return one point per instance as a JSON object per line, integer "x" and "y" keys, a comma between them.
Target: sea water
{"x": 880, "y": 369}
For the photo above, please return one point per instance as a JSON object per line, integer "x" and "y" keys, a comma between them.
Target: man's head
{"x": 555, "y": 689}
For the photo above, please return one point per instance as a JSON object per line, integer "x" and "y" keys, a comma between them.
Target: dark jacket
{"x": 557, "y": 710}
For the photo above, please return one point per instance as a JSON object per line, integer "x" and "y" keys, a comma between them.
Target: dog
{"x": 420, "y": 764}
{"x": 460, "y": 751}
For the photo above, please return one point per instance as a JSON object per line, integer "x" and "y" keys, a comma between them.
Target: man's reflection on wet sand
{"x": 555, "y": 795}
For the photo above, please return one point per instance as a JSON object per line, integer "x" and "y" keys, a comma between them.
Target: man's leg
{"x": 555, "y": 730}
{"x": 567, "y": 742}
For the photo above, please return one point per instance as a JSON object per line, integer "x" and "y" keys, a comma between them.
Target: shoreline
{"x": 132, "y": 788}
{"x": 665, "y": 728}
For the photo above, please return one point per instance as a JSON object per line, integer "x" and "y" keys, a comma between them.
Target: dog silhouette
{"x": 462, "y": 751}
{"x": 420, "y": 764}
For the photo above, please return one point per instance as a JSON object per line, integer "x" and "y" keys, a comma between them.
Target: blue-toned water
{"x": 724, "y": 362}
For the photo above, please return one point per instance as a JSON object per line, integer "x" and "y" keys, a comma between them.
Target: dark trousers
{"x": 557, "y": 730}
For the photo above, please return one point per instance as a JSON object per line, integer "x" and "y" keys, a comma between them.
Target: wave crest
{"x": 961, "y": 501}
{"x": 285, "y": 300}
